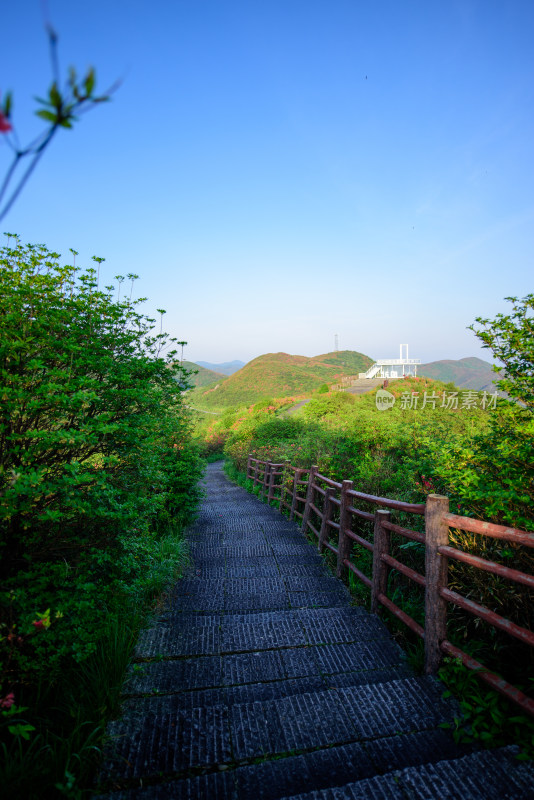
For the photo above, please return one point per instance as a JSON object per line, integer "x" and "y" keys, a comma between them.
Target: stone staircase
{"x": 260, "y": 681}
{"x": 363, "y": 385}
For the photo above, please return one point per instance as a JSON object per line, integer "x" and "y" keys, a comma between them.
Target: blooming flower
{"x": 7, "y": 701}
{"x": 39, "y": 624}
{"x": 5, "y": 125}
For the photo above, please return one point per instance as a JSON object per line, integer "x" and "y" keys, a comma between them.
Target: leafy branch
{"x": 511, "y": 339}
{"x": 60, "y": 109}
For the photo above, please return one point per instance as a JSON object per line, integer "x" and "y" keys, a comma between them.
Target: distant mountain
{"x": 466, "y": 373}
{"x": 203, "y": 377}
{"x": 282, "y": 375}
{"x": 227, "y": 368}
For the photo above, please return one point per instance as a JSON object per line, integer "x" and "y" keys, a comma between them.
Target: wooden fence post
{"x": 283, "y": 485}
{"x": 297, "y": 475}
{"x": 272, "y": 479}
{"x": 309, "y": 497}
{"x": 381, "y": 546}
{"x": 270, "y": 482}
{"x": 327, "y": 513}
{"x": 436, "y": 567}
{"x": 248, "y": 465}
{"x": 265, "y": 479}
{"x": 344, "y": 543}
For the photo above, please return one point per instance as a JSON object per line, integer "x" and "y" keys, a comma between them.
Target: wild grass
{"x": 69, "y": 716}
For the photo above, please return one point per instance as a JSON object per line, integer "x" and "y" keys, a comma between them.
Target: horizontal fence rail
{"x": 329, "y": 509}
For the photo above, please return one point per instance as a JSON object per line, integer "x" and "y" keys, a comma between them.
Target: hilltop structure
{"x": 392, "y": 367}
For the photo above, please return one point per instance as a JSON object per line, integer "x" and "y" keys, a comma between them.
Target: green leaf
{"x": 89, "y": 82}
{"x": 7, "y": 104}
{"x": 20, "y": 730}
{"x": 49, "y": 116}
{"x": 54, "y": 95}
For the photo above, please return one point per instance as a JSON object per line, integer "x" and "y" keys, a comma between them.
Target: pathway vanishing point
{"x": 261, "y": 681}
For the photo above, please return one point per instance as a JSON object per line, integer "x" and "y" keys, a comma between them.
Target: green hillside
{"x": 466, "y": 373}
{"x": 203, "y": 376}
{"x": 280, "y": 375}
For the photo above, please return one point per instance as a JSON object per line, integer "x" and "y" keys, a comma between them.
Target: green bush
{"x": 98, "y": 473}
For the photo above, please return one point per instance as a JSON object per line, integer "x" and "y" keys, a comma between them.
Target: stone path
{"x": 260, "y": 681}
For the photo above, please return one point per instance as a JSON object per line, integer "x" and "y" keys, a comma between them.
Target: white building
{"x": 393, "y": 367}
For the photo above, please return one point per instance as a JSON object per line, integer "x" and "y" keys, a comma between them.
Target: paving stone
{"x": 167, "y": 743}
{"x": 248, "y": 692}
{"x": 187, "y": 638}
{"x": 267, "y": 562}
{"x": 271, "y": 780}
{"x": 201, "y": 601}
{"x": 288, "y": 548}
{"x": 325, "y": 583}
{"x": 316, "y": 598}
{"x": 214, "y": 786}
{"x": 244, "y": 601}
{"x": 250, "y": 733}
{"x": 413, "y": 749}
{"x": 378, "y": 788}
{"x": 191, "y": 587}
{"x": 334, "y": 658}
{"x": 171, "y": 703}
{"x": 259, "y": 692}
{"x": 244, "y": 539}
{"x": 325, "y": 626}
{"x": 264, "y": 585}
{"x": 285, "y": 531}
{"x": 368, "y": 676}
{"x": 207, "y": 549}
{"x": 295, "y": 567}
{"x": 308, "y": 556}
{"x": 253, "y": 667}
{"x": 312, "y": 720}
{"x": 174, "y": 676}
{"x": 300, "y": 662}
{"x": 289, "y": 723}
{"x": 261, "y": 631}
{"x": 483, "y": 775}
{"x": 339, "y": 765}
{"x": 253, "y": 570}
{"x": 248, "y": 552}
{"x": 207, "y": 571}
{"x": 384, "y": 709}
{"x": 206, "y": 564}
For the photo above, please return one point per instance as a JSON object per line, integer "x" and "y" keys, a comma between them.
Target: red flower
{"x": 5, "y": 125}
{"x": 8, "y": 700}
{"x": 39, "y": 624}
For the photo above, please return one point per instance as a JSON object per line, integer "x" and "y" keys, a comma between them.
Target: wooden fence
{"x": 319, "y": 501}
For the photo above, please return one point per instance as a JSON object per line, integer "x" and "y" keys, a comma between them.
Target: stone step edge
{"x": 190, "y": 692}
{"x": 132, "y": 784}
{"x": 382, "y": 786}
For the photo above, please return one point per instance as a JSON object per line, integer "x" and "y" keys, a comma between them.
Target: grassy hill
{"x": 203, "y": 377}
{"x": 281, "y": 375}
{"x": 226, "y": 368}
{"x": 466, "y": 373}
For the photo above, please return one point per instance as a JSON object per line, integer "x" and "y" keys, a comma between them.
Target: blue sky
{"x": 281, "y": 171}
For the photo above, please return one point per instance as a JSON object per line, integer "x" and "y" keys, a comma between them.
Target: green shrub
{"x": 98, "y": 474}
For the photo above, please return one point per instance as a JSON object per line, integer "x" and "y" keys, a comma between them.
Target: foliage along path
{"x": 260, "y": 680}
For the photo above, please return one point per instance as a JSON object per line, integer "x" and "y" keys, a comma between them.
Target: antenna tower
{"x": 336, "y": 343}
